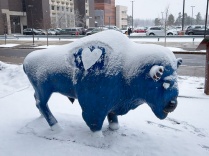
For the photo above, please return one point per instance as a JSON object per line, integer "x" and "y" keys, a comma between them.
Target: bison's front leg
{"x": 113, "y": 121}
{"x": 42, "y": 98}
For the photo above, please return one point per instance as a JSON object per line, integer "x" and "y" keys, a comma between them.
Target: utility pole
{"x": 206, "y": 19}
{"x": 162, "y": 18}
{"x": 31, "y": 13}
{"x": 109, "y": 22}
{"x": 183, "y": 16}
{"x": 132, "y": 15}
{"x": 192, "y": 15}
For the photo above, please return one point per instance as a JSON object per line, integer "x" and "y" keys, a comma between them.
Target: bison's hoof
{"x": 97, "y": 134}
{"x": 41, "y": 116}
{"x": 56, "y": 128}
{"x": 114, "y": 126}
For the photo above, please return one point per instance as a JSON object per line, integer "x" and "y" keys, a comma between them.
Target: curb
{"x": 189, "y": 52}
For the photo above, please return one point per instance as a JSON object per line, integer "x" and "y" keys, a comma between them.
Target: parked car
{"x": 160, "y": 31}
{"x": 178, "y": 29}
{"x": 124, "y": 30}
{"x": 53, "y": 31}
{"x": 113, "y": 27}
{"x": 90, "y": 29}
{"x": 196, "y": 30}
{"x": 43, "y": 32}
{"x": 96, "y": 30}
{"x": 172, "y": 32}
{"x": 71, "y": 31}
{"x": 82, "y": 31}
{"x": 31, "y": 31}
{"x": 140, "y": 30}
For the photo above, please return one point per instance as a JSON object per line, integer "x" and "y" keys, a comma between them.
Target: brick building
{"x": 108, "y": 7}
{"x": 38, "y": 13}
{"x": 15, "y": 15}
{"x": 12, "y": 16}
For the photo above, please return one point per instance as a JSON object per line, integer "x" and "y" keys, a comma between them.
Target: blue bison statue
{"x": 108, "y": 74}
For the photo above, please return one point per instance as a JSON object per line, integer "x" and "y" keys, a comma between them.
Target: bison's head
{"x": 162, "y": 87}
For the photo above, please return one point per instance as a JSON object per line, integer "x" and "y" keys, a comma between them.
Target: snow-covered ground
{"x": 8, "y": 45}
{"x": 185, "y": 132}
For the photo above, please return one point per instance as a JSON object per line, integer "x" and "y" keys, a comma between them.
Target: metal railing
{"x": 60, "y": 37}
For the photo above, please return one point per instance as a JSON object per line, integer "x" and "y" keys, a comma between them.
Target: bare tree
{"x": 70, "y": 20}
{"x": 61, "y": 20}
{"x": 79, "y": 19}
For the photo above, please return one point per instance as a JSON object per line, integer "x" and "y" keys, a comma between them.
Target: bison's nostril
{"x": 171, "y": 106}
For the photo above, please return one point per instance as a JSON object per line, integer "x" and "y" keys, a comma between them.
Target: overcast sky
{"x": 151, "y": 9}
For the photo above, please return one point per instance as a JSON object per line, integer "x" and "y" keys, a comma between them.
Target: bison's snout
{"x": 171, "y": 106}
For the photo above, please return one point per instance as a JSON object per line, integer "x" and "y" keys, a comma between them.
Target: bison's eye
{"x": 166, "y": 85}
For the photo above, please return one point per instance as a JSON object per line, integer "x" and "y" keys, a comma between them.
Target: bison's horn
{"x": 156, "y": 72}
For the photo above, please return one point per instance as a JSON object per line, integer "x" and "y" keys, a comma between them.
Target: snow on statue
{"x": 108, "y": 74}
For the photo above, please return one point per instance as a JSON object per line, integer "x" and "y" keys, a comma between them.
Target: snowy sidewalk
{"x": 185, "y": 132}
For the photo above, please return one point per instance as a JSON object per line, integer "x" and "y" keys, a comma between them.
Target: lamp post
{"x": 31, "y": 6}
{"x": 192, "y": 15}
{"x": 132, "y": 15}
{"x": 14, "y": 24}
{"x": 183, "y": 16}
{"x": 206, "y": 20}
{"x": 109, "y": 22}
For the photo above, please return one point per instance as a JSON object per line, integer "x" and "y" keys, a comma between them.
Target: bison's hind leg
{"x": 113, "y": 121}
{"x": 41, "y": 104}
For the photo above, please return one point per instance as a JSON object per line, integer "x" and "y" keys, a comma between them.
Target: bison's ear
{"x": 156, "y": 72}
{"x": 179, "y": 61}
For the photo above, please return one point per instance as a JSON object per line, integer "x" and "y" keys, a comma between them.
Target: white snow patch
{"x": 89, "y": 58}
{"x": 166, "y": 85}
{"x": 46, "y": 47}
{"x": 122, "y": 55}
{"x": 175, "y": 49}
{"x": 8, "y": 45}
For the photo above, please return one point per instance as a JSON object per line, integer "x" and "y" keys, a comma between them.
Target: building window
{"x": 52, "y": 7}
{"x": 86, "y": 11}
{"x": 63, "y": 8}
{"x": 67, "y": 9}
{"x": 58, "y": 8}
{"x": 86, "y": 1}
{"x": 71, "y": 10}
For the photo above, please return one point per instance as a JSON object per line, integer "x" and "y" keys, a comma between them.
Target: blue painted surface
{"x": 100, "y": 94}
